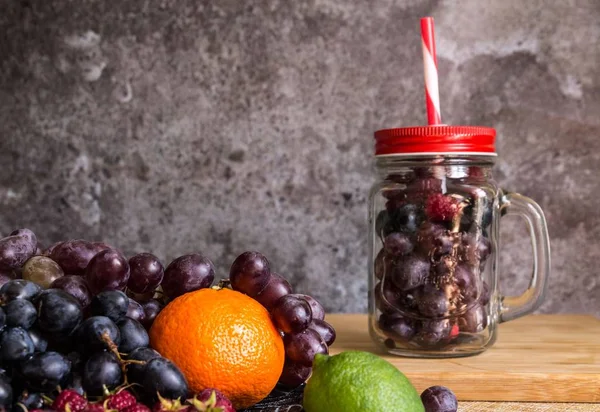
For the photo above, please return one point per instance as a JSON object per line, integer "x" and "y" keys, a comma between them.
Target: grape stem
{"x": 223, "y": 284}
{"x": 115, "y": 350}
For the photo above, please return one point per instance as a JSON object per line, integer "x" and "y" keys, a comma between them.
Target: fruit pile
{"x": 261, "y": 333}
{"x": 76, "y": 322}
{"x": 431, "y": 290}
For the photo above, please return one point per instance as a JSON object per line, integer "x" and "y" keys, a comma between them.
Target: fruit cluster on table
{"x": 430, "y": 269}
{"x": 74, "y": 321}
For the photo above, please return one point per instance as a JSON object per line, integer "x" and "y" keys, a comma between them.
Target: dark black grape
{"x": 141, "y": 297}
{"x": 186, "y": 274}
{"x": 467, "y": 282}
{"x": 15, "y": 250}
{"x": 136, "y": 371}
{"x": 75, "y": 383}
{"x": 151, "y": 310}
{"x": 58, "y": 312}
{"x": 488, "y": 213}
{"x": 398, "y": 244}
{"x": 411, "y": 272}
{"x": 386, "y": 296}
{"x": 163, "y": 377}
{"x": 146, "y": 273}
{"x": 302, "y": 347}
{"x": 316, "y": 309}
{"x": 29, "y": 400}
{"x": 291, "y": 314}
{"x": 406, "y": 218}
{"x": 424, "y": 182}
{"x": 6, "y": 393}
{"x": 474, "y": 320}
{"x": 432, "y": 302}
{"x": 15, "y": 345}
{"x": 76, "y": 359}
{"x": 2, "y": 320}
{"x": 96, "y": 334}
{"x": 101, "y": 370}
{"x": 324, "y": 329}
{"x": 275, "y": 289}
{"x": 427, "y": 238}
{"x": 27, "y": 233}
{"x": 470, "y": 214}
{"x": 382, "y": 224}
{"x": 439, "y": 399}
{"x": 73, "y": 256}
{"x": 40, "y": 342}
{"x": 443, "y": 243}
{"x": 383, "y": 264}
{"x": 397, "y": 327}
{"x": 112, "y": 303}
{"x": 21, "y": 313}
{"x": 432, "y": 332}
{"x": 45, "y": 371}
{"x": 133, "y": 335}
{"x": 250, "y": 273}
{"x": 294, "y": 374}
{"x": 108, "y": 270}
{"x": 135, "y": 311}
{"x": 19, "y": 289}
{"x": 6, "y": 276}
{"x": 48, "y": 251}
{"x": 475, "y": 248}
{"x": 407, "y": 302}
{"x": 444, "y": 269}
{"x": 75, "y": 286}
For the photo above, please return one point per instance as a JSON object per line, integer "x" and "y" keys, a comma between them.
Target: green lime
{"x": 355, "y": 381}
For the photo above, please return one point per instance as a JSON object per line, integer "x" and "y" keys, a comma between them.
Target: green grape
{"x": 41, "y": 270}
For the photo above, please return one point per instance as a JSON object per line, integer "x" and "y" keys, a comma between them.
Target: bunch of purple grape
{"x": 430, "y": 289}
{"x": 84, "y": 269}
{"x": 76, "y": 316}
{"x": 300, "y": 318}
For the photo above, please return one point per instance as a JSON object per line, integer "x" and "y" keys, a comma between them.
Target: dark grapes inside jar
{"x": 432, "y": 244}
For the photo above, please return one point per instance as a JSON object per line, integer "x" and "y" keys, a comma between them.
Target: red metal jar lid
{"x": 440, "y": 139}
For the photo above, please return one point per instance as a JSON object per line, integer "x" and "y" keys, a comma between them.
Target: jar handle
{"x": 512, "y": 307}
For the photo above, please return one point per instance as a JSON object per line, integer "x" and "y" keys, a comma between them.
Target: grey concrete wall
{"x": 174, "y": 126}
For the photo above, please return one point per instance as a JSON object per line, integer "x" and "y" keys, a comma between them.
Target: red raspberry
{"x": 138, "y": 407}
{"x": 167, "y": 405}
{"x": 75, "y": 401}
{"x": 212, "y": 399}
{"x": 120, "y": 400}
{"x": 420, "y": 188}
{"x": 454, "y": 331}
{"x": 441, "y": 208}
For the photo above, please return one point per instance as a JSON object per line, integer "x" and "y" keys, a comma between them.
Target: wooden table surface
{"x": 537, "y": 359}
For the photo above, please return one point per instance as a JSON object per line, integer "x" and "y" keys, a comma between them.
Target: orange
{"x": 221, "y": 339}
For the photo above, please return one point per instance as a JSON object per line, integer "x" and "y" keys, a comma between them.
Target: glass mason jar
{"x": 434, "y": 240}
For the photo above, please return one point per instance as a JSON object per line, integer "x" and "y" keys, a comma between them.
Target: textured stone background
{"x": 174, "y": 126}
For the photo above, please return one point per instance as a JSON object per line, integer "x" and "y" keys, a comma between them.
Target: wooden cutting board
{"x": 538, "y": 358}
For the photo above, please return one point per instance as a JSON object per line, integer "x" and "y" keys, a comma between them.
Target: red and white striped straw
{"x": 432, "y": 93}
